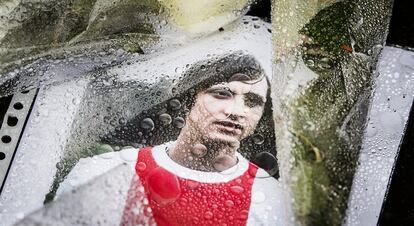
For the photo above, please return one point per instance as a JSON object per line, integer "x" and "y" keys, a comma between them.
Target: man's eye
{"x": 251, "y": 104}
{"x": 253, "y": 101}
{"x": 221, "y": 93}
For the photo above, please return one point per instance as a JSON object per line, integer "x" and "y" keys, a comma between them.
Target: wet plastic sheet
{"x": 325, "y": 60}
{"x": 392, "y": 100}
{"x": 85, "y": 95}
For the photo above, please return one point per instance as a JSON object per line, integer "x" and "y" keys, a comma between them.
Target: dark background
{"x": 261, "y": 9}
{"x": 4, "y": 105}
{"x": 402, "y": 24}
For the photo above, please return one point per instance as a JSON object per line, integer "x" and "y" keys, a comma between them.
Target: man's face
{"x": 227, "y": 112}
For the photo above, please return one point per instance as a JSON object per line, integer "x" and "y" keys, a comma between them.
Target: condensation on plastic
{"x": 393, "y": 98}
{"x": 325, "y": 60}
{"x": 44, "y": 42}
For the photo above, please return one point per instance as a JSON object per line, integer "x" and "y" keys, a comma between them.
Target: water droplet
{"x": 267, "y": 161}
{"x": 243, "y": 215}
{"x": 229, "y": 203}
{"x": 174, "y": 104}
{"x": 179, "y": 122}
{"x": 141, "y": 166}
{"x": 183, "y": 201}
{"x": 164, "y": 187}
{"x": 192, "y": 184}
{"x": 199, "y": 150}
{"x": 147, "y": 124}
{"x": 165, "y": 119}
{"x": 224, "y": 162}
{"x": 258, "y": 197}
{"x": 128, "y": 156}
{"x": 391, "y": 121}
{"x": 208, "y": 215}
{"x": 236, "y": 189}
{"x": 371, "y": 131}
{"x": 107, "y": 119}
{"x": 258, "y": 139}
{"x": 122, "y": 121}
{"x": 107, "y": 150}
{"x": 195, "y": 220}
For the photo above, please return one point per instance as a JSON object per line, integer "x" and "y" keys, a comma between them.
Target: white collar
{"x": 161, "y": 157}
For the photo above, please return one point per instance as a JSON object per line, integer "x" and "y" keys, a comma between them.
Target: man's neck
{"x": 216, "y": 157}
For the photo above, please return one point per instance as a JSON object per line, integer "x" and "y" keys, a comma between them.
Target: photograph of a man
{"x": 201, "y": 178}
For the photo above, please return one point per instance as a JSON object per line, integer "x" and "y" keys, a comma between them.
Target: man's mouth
{"x": 229, "y": 127}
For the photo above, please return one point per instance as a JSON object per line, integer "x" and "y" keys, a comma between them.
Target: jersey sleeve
{"x": 89, "y": 168}
{"x": 270, "y": 202}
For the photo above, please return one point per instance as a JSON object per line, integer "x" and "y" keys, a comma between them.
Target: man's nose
{"x": 238, "y": 109}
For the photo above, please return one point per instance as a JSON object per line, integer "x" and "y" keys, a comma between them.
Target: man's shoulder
{"x": 91, "y": 167}
{"x": 125, "y": 155}
{"x": 270, "y": 198}
{"x": 109, "y": 160}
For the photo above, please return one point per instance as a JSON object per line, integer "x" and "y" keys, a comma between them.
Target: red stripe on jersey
{"x": 176, "y": 201}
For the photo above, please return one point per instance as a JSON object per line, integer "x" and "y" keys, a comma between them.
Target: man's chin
{"x": 220, "y": 139}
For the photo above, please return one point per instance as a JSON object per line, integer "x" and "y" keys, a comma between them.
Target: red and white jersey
{"x": 162, "y": 192}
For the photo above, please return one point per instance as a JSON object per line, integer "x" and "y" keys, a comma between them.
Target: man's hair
{"x": 236, "y": 66}
{"x": 231, "y": 67}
